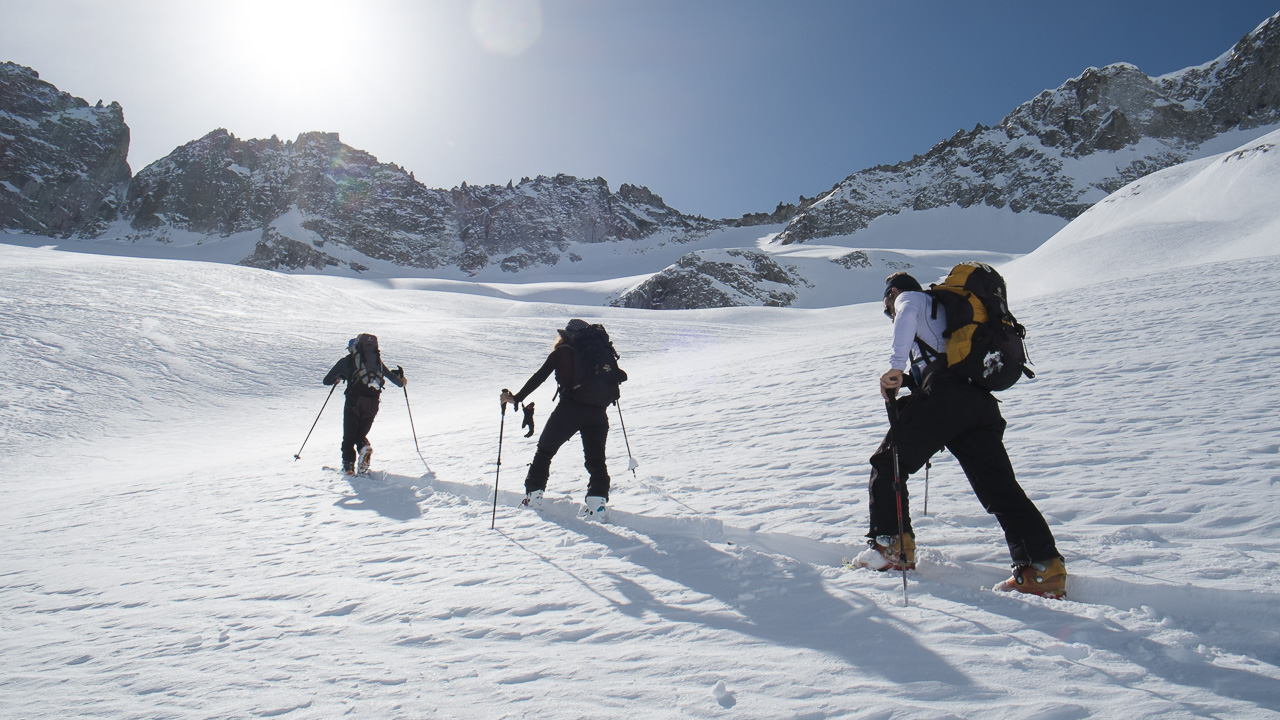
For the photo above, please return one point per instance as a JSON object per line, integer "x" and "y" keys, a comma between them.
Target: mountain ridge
{"x": 314, "y": 204}
{"x": 1030, "y": 160}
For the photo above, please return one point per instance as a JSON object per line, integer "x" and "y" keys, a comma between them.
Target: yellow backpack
{"x": 984, "y": 341}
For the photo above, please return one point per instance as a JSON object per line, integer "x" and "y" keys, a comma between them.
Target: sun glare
{"x": 296, "y": 48}
{"x": 506, "y": 27}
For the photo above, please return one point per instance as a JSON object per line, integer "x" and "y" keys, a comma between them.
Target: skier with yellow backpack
{"x": 953, "y": 345}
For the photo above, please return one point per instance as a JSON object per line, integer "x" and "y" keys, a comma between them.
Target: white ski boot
{"x": 533, "y": 500}
{"x": 595, "y": 508}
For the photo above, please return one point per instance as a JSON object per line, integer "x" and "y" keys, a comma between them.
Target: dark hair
{"x": 902, "y": 281}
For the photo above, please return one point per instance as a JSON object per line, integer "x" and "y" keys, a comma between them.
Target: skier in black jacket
{"x": 571, "y": 416}
{"x": 363, "y": 371}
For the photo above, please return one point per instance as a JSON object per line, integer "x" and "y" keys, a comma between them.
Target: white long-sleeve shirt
{"x": 912, "y": 311}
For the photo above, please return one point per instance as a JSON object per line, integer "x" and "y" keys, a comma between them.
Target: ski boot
{"x": 533, "y": 500}
{"x": 348, "y": 468}
{"x": 882, "y": 553}
{"x": 595, "y": 508}
{"x": 366, "y": 457}
{"x": 1046, "y": 578}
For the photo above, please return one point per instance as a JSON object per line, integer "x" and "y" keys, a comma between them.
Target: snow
{"x": 162, "y": 554}
{"x": 1218, "y": 208}
{"x": 952, "y": 228}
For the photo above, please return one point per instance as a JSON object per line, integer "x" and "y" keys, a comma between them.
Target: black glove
{"x": 528, "y": 419}
{"x": 404, "y": 381}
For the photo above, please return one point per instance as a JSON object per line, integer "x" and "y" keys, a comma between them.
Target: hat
{"x": 902, "y": 281}
{"x": 575, "y": 326}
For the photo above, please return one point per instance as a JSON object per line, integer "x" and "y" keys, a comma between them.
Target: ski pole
{"x": 892, "y": 408}
{"x": 493, "y": 521}
{"x": 410, "y": 409}
{"x": 298, "y": 455}
{"x": 927, "y": 465}
{"x": 631, "y": 460}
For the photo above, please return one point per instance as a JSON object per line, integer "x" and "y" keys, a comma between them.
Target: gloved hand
{"x": 404, "y": 381}
{"x": 528, "y": 419}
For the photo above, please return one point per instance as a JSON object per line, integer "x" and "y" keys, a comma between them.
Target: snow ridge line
{"x": 1228, "y": 606}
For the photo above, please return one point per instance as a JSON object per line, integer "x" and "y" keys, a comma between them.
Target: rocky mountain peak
{"x": 63, "y": 163}
{"x": 1027, "y": 162}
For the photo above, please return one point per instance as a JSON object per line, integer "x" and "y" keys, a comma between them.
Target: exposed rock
{"x": 716, "y": 278}
{"x": 855, "y": 259}
{"x": 277, "y": 252}
{"x": 63, "y": 163}
{"x": 222, "y": 185}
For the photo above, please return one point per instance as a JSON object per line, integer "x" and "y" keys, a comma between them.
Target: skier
{"x": 948, "y": 411}
{"x": 363, "y": 371}
{"x": 587, "y": 377}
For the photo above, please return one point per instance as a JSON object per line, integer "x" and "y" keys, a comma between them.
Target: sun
{"x": 296, "y": 49}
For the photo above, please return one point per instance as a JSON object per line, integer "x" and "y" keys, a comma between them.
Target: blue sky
{"x": 720, "y": 106}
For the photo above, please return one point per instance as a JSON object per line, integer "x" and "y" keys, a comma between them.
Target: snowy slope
{"x": 163, "y": 555}
{"x": 1219, "y": 208}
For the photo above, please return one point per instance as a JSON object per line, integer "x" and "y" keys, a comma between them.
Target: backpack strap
{"x": 926, "y": 351}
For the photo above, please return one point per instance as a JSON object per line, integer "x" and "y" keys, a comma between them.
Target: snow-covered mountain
{"x": 162, "y": 553}
{"x": 316, "y": 205}
{"x": 1066, "y": 149}
{"x": 63, "y": 163}
{"x": 316, "y": 194}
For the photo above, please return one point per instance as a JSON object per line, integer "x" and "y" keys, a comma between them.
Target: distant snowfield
{"x": 162, "y": 554}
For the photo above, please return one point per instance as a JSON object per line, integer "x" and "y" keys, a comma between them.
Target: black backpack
{"x": 984, "y": 341}
{"x": 367, "y": 359}
{"x": 596, "y": 375}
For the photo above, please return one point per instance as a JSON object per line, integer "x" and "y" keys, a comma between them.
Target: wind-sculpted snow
{"x": 165, "y": 555}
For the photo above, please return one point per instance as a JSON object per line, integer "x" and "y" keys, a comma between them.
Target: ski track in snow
{"x": 163, "y": 554}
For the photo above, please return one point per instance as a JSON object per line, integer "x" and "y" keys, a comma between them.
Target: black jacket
{"x": 345, "y": 368}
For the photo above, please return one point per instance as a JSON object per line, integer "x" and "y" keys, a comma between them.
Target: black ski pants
{"x": 570, "y": 417}
{"x": 966, "y": 420}
{"x": 357, "y": 419}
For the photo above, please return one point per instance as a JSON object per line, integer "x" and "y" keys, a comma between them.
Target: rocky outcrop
{"x": 732, "y": 278}
{"x": 63, "y": 163}
{"x": 1123, "y": 122}
{"x": 783, "y": 213}
{"x": 717, "y": 278}
{"x": 276, "y": 251}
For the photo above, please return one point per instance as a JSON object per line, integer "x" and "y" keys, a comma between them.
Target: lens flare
{"x": 506, "y": 27}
